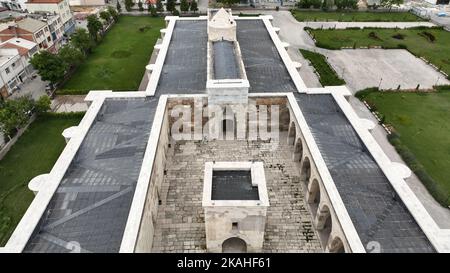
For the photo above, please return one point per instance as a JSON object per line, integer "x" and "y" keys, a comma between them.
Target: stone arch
{"x": 313, "y": 197}
{"x": 336, "y": 245}
{"x": 298, "y": 150}
{"x": 234, "y": 245}
{"x": 323, "y": 223}
{"x": 292, "y": 133}
{"x": 305, "y": 172}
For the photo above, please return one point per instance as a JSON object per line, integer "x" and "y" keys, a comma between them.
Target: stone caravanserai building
{"x": 227, "y": 150}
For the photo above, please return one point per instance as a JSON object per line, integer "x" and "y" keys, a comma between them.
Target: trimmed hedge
{"x": 327, "y": 76}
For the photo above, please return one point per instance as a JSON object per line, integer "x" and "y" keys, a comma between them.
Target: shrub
{"x": 429, "y": 36}
{"x": 398, "y": 36}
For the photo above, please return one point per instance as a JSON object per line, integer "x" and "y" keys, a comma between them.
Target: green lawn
{"x": 355, "y": 16}
{"x": 327, "y": 76}
{"x": 433, "y": 44}
{"x": 422, "y": 121}
{"x": 118, "y": 62}
{"x": 34, "y": 153}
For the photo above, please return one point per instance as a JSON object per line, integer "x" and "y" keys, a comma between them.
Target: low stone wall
{"x": 146, "y": 231}
{"x": 6, "y": 147}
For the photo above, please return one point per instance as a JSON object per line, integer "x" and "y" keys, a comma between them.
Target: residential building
{"x": 28, "y": 29}
{"x": 55, "y": 26}
{"x": 58, "y": 7}
{"x": 17, "y": 5}
{"x": 87, "y": 2}
{"x": 13, "y": 70}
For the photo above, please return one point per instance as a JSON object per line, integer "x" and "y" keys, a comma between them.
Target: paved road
{"x": 292, "y": 32}
{"x": 34, "y": 87}
{"x": 343, "y": 25}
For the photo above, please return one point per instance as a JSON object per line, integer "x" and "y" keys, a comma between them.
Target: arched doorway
{"x": 324, "y": 223}
{"x": 298, "y": 150}
{"x": 291, "y": 134}
{"x": 305, "y": 172}
{"x": 337, "y": 246}
{"x": 314, "y": 196}
{"x": 234, "y": 245}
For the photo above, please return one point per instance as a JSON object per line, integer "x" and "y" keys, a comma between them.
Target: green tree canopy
{"x": 105, "y": 15}
{"x": 159, "y": 6}
{"x": 194, "y": 6}
{"x": 113, "y": 12}
{"x": 14, "y": 114}
{"x": 93, "y": 25}
{"x": 81, "y": 40}
{"x": 184, "y": 5}
{"x": 71, "y": 55}
{"x": 390, "y": 3}
{"x": 170, "y": 5}
{"x": 128, "y": 4}
{"x": 49, "y": 66}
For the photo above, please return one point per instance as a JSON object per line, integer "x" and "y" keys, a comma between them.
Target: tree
{"x": 128, "y": 4}
{"x": 80, "y": 39}
{"x": 14, "y": 114}
{"x": 106, "y": 16}
{"x": 159, "y": 6}
{"x": 42, "y": 105}
{"x": 184, "y": 6}
{"x": 71, "y": 55}
{"x": 114, "y": 13}
{"x": 230, "y": 3}
{"x": 390, "y": 3}
{"x": 152, "y": 10}
{"x": 194, "y": 7}
{"x": 175, "y": 12}
{"x": 119, "y": 7}
{"x": 49, "y": 66}
{"x": 140, "y": 6}
{"x": 170, "y": 5}
{"x": 94, "y": 25}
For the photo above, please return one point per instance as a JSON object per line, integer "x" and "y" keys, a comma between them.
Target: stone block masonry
{"x": 180, "y": 224}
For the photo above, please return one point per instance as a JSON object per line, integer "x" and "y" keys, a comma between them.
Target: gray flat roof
{"x": 233, "y": 185}
{"x": 265, "y": 69}
{"x": 90, "y": 208}
{"x": 375, "y": 209}
{"x": 184, "y": 69}
{"x": 225, "y": 65}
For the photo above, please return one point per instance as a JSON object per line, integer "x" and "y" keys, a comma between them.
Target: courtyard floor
{"x": 180, "y": 223}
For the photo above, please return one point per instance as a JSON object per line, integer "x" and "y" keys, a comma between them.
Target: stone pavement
{"x": 34, "y": 87}
{"x": 180, "y": 222}
{"x": 69, "y": 103}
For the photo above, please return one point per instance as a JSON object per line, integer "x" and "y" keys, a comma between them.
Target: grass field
{"x": 433, "y": 44}
{"x": 327, "y": 76}
{"x": 354, "y": 16}
{"x": 34, "y": 153}
{"x": 118, "y": 62}
{"x": 422, "y": 121}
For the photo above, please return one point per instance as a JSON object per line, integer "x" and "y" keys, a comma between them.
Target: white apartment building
{"x": 13, "y": 70}
{"x": 58, "y": 7}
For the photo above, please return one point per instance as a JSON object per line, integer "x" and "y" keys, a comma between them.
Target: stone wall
{"x": 146, "y": 231}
